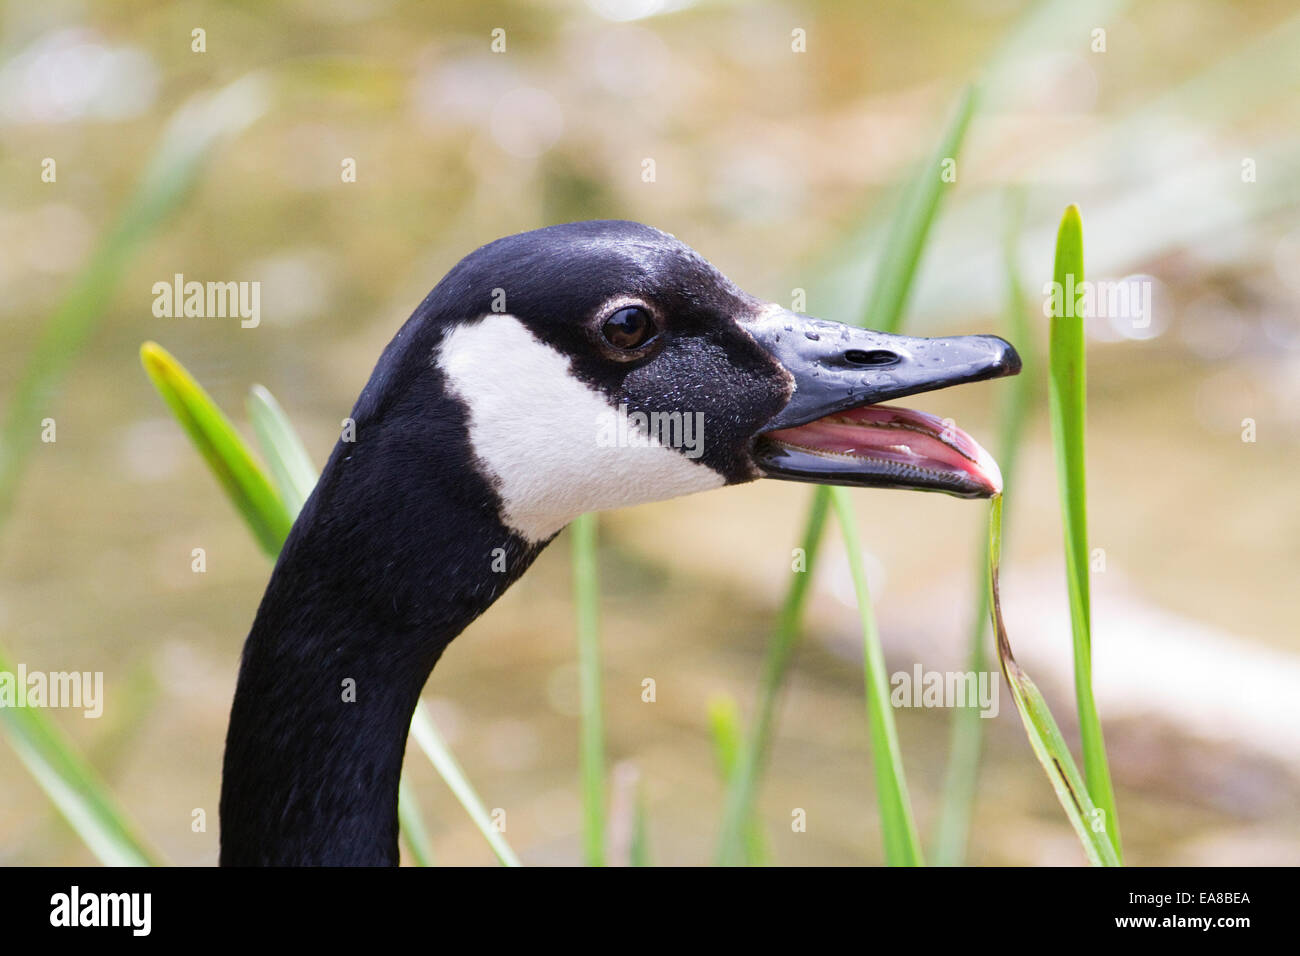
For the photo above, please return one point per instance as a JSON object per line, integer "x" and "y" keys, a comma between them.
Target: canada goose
{"x": 484, "y": 429}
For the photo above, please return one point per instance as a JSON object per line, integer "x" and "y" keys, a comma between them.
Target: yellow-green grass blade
{"x": 728, "y": 744}
{"x": 958, "y": 799}
{"x": 892, "y": 284}
{"x": 291, "y": 467}
{"x": 1090, "y": 823}
{"x": 586, "y": 600}
{"x": 72, "y": 786}
{"x": 435, "y": 748}
{"x": 902, "y": 845}
{"x": 1068, "y": 395}
{"x": 222, "y": 447}
{"x": 414, "y": 831}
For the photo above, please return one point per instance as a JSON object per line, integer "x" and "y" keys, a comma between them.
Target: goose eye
{"x": 629, "y": 328}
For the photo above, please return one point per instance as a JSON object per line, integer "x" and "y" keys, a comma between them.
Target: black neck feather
{"x": 394, "y": 555}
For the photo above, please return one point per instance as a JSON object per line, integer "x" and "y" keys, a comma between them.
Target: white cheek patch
{"x": 543, "y": 434}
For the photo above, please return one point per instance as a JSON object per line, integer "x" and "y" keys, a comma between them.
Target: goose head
{"x": 572, "y": 369}
{"x": 605, "y": 364}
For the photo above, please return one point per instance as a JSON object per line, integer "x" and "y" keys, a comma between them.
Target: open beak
{"x": 833, "y": 431}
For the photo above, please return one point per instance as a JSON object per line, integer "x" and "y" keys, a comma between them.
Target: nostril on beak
{"x": 870, "y": 358}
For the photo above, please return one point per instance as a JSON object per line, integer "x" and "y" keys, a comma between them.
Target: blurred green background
{"x": 782, "y": 168}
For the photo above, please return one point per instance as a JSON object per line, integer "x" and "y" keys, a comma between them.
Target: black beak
{"x": 827, "y": 433}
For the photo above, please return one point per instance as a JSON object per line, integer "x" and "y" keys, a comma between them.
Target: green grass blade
{"x": 1044, "y": 735}
{"x": 910, "y": 228}
{"x": 728, "y": 745}
{"x": 72, "y": 786}
{"x": 230, "y": 459}
{"x": 435, "y": 748}
{"x": 414, "y": 832}
{"x": 902, "y": 846}
{"x": 1068, "y": 402}
{"x": 291, "y": 467}
{"x": 629, "y": 825}
{"x": 741, "y": 791}
{"x": 638, "y": 853}
{"x": 958, "y": 799}
{"x": 892, "y": 284}
{"x": 586, "y": 598}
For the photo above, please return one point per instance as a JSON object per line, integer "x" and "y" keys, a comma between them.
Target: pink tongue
{"x": 901, "y": 435}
